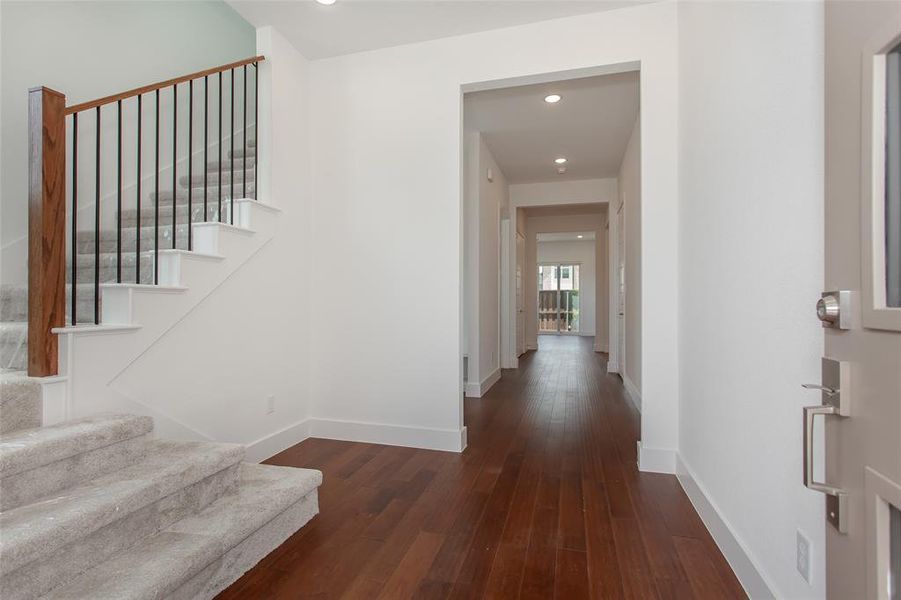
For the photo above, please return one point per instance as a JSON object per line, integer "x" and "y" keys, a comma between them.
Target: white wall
{"x": 751, "y": 222}
{"x": 387, "y": 195}
{"x": 150, "y": 41}
{"x": 485, "y": 201}
{"x": 582, "y": 253}
{"x": 630, "y": 200}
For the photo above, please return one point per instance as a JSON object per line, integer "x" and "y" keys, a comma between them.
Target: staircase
{"x": 137, "y": 267}
{"x": 97, "y": 506}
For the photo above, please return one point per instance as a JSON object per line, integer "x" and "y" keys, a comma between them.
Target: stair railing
{"x": 47, "y": 201}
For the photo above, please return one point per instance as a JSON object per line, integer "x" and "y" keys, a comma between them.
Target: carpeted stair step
{"x": 37, "y": 462}
{"x": 53, "y": 540}
{"x": 13, "y": 345}
{"x": 239, "y": 152}
{"x": 212, "y": 194}
{"x": 14, "y": 301}
{"x": 213, "y": 176}
{"x": 130, "y": 215}
{"x": 21, "y": 405}
{"x": 201, "y": 555}
{"x": 108, "y": 241}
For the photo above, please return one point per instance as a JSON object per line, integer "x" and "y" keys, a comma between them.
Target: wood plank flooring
{"x": 546, "y": 502}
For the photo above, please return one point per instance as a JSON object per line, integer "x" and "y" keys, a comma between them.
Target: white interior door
{"x": 520, "y": 298}
{"x": 862, "y": 364}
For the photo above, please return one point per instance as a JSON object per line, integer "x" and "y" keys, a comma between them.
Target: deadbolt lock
{"x": 834, "y": 309}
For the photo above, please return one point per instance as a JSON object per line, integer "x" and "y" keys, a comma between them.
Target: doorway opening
{"x": 542, "y": 169}
{"x": 558, "y": 298}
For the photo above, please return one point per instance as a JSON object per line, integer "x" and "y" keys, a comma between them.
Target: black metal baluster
{"x": 206, "y": 123}
{"x": 175, "y": 165}
{"x": 219, "y": 214}
{"x": 74, "y": 214}
{"x": 244, "y": 156}
{"x": 97, "y": 224}
{"x": 138, "y": 199}
{"x": 256, "y": 129}
{"x": 156, "y": 197}
{"x": 231, "y": 177}
{"x": 190, "y": 160}
{"x": 119, "y": 191}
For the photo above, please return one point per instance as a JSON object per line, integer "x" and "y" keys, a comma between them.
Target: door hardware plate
{"x": 837, "y": 511}
{"x": 836, "y": 375}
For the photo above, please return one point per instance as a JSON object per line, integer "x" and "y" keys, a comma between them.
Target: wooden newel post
{"x": 46, "y": 228}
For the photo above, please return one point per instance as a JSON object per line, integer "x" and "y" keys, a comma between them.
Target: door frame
{"x": 616, "y": 360}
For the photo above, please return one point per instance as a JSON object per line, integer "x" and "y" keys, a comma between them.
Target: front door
{"x": 862, "y": 364}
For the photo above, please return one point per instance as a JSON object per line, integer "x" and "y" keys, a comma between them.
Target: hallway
{"x": 545, "y": 502}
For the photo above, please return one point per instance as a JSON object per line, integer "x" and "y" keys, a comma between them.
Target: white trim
{"x": 531, "y": 347}
{"x": 272, "y": 444}
{"x": 632, "y": 391}
{"x": 451, "y": 440}
{"x": 752, "y": 578}
{"x": 612, "y": 365}
{"x": 656, "y": 460}
{"x": 875, "y": 313}
{"x": 477, "y": 390}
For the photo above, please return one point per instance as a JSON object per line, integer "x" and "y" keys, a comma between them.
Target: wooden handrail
{"x": 162, "y": 84}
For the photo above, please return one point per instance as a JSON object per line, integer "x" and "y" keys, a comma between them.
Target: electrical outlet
{"x": 270, "y": 404}
{"x": 803, "y": 556}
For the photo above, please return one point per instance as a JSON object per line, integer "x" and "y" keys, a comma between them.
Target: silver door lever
{"x": 815, "y": 386}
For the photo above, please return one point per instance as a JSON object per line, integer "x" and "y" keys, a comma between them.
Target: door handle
{"x": 835, "y": 402}
{"x": 836, "y": 499}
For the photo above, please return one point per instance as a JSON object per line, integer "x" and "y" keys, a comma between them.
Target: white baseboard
{"x": 477, "y": 390}
{"x": 751, "y": 577}
{"x": 531, "y": 346}
{"x": 656, "y": 460}
{"x": 632, "y": 390}
{"x": 272, "y": 444}
{"x": 451, "y": 440}
{"x": 612, "y": 366}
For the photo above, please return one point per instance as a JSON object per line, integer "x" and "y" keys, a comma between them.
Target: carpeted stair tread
{"x": 33, "y": 448}
{"x": 180, "y": 561}
{"x": 21, "y": 405}
{"x": 38, "y": 529}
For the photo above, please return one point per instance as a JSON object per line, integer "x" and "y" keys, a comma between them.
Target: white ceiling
{"x": 567, "y": 236}
{"x": 590, "y": 126}
{"x": 348, "y": 26}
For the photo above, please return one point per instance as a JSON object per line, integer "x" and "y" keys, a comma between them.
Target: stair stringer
{"x": 136, "y": 318}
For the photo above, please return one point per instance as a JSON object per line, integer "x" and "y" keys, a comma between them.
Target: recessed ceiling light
{"x": 552, "y": 99}
{"x": 326, "y": 2}
{"x": 580, "y": 236}
{"x": 560, "y": 160}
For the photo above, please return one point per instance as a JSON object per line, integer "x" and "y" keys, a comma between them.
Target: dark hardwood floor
{"x": 546, "y": 502}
